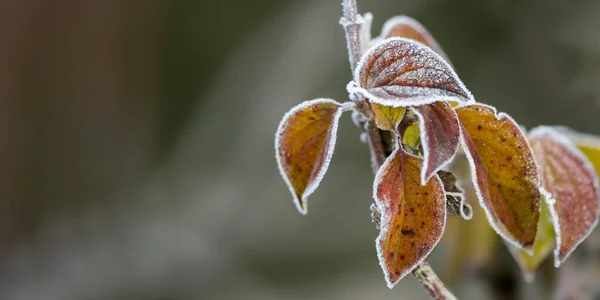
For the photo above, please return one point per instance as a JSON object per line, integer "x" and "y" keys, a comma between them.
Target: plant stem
{"x": 352, "y": 23}
{"x": 431, "y": 282}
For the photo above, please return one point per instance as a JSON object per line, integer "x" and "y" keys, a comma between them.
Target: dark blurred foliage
{"x": 136, "y": 152}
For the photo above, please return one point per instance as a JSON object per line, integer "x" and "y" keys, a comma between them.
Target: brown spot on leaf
{"x": 399, "y": 182}
{"x": 408, "y": 232}
{"x": 490, "y": 148}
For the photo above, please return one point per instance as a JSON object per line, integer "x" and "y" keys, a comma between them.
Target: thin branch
{"x": 352, "y": 23}
{"x": 431, "y": 282}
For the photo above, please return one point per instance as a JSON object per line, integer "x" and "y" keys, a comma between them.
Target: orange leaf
{"x": 401, "y": 72}
{"x": 504, "y": 172}
{"x": 413, "y": 216}
{"x": 304, "y": 144}
{"x": 440, "y": 135}
{"x": 407, "y": 27}
{"x": 571, "y": 180}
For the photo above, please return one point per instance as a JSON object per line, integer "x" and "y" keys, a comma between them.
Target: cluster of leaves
{"x": 405, "y": 85}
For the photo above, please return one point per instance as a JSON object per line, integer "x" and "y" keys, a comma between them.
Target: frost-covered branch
{"x": 352, "y": 23}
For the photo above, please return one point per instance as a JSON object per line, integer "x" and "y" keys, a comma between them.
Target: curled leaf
{"x": 387, "y": 117}
{"x": 504, "y": 172}
{"x": 456, "y": 203}
{"x": 413, "y": 216}
{"x": 544, "y": 242}
{"x": 440, "y": 136}
{"x": 401, "y": 72}
{"x": 407, "y": 27}
{"x": 304, "y": 144}
{"x": 571, "y": 180}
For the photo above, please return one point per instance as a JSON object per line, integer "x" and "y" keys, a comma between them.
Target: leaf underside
{"x": 413, "y": 216}
{"x": 571, "y": 180}
{"x": 305, "y": 142}
{"x": 440, "y": 136}
{"x": 504, "y": 172}
{"x": 402, "y": 72}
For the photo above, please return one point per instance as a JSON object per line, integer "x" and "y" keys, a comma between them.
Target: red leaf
{"x": 504, "y": 174}
{"x": 304, "y": 144}
{"x": 571, "y": 180}
{"x": 407, "y": 27}
{"x": 440, "y": 136}
{"x": 413, "y": 216}
{"x": 402, "y": 72}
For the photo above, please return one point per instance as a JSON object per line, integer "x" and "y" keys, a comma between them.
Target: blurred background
{"x": 136, "y": 146}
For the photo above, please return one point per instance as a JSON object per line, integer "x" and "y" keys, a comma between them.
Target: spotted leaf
{"x": 413, "y": 216}
{"x": 304, "y": 144}
{"x": 542, "y": 247}
{"x": 571, "y": 180}
{"x": 401, "y": 72}
{"x": 504, "y": 172}
{"x": 407, "y": 27}
{"x": 440, "y": 136}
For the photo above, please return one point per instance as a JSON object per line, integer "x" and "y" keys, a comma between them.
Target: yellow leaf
{"x": 387, "y": 117}
{"x": 504, "y": 174}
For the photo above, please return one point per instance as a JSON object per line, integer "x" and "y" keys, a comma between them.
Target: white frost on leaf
{"x": 429, "y": 77}
{"x": 425, "y": 142}
{"x": 498, "y": 227}
{"x": 383, "y": 208}
{"x": 562, "y": 135}
{"x": 301, "y": 204}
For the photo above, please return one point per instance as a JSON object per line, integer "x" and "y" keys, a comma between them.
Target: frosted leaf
{"x": 573, "y": 183}
{"x": 412, "y": 215}
{"x": 407, "y": 27}
{"x": 304, "y": 144}
{"x": 401, "y": 72}
{"x": 440, "y": 136}
{"x": 504, "y": 172}
{"x": 587, "y": 143}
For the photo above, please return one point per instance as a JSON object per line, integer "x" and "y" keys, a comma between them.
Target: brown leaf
{"x": 440, "y": 136}
{"x": 571, "y": 180}
{"x": 504, "y": 174}
{"x": 304, "y": 144}
{"x": 413, "y": 216}
{"x": 402, "y": 72}
{"x": 407, "y": 27}
{"x": 587, "y": 143}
